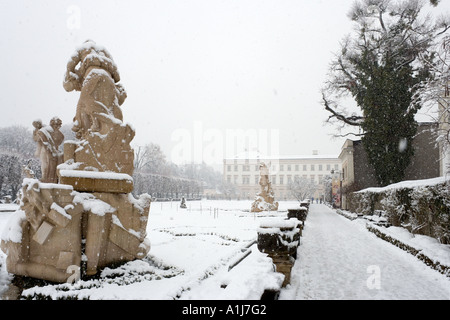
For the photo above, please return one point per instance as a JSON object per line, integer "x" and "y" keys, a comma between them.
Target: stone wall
{"x": 422, "y": 206}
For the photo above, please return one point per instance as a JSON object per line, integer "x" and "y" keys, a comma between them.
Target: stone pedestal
{"x": 43, "y": 239}
{"x": 280, "y": 239}
{"x": 298, "y": 213}
{"x": 91, "y": 181}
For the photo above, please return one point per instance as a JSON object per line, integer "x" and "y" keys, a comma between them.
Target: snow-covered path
{"x": 340, "y": 259}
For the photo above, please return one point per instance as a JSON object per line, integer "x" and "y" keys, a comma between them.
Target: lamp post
{"x": 340, "y": 185}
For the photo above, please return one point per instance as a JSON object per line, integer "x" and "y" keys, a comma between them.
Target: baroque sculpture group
{"x": 81, "y": 213}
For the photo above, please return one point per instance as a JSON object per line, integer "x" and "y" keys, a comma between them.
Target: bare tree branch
{"x": 350, "y": 120}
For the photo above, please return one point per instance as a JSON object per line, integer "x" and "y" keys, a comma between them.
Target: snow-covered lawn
{"x": 192, "y": 250}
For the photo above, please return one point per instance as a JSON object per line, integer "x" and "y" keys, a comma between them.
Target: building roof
{"x": 257, "y": 155}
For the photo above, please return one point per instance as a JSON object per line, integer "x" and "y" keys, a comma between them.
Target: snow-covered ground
{"x": 192, "y": 250}
{"x": 339, "y": 259}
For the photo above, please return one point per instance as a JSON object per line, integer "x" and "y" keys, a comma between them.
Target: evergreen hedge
{"x": 421, "y": 208}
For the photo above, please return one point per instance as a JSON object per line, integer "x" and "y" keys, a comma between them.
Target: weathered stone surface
{"x": 43, "y": 232}
{"x": 91, "y": 181}
{"x": 117, "y": 235}
{"x": 36, "y": 236}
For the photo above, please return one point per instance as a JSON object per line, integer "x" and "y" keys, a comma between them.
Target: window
{"x": 256, "y": 179}
{"x": 281, "y": 179}
{"x": 235, "y": 167}
{"x": 236, "y": 179}
{"x": 328, "y": 167}
{"x": 312, "y": 177}
{"x": 229, "y": 167}
{"x": 245, "y": 179}
{"x": 289, "y": 179}
{"x": 320, "y": 179}
{"x": 246, "y": 167}
{"x": 296, "y": 167}
{"x": 274, "y": 179}
{"x": 257, "y": 167}
{"x": 229, "y": 179}
{"x": 289, "y": 167}
{"x": 304, "y": 167}
{"x": 281, "y": 167}
{"x": 312, "y": 167}
{"x": 320, "y": 167}
{"x": 336, "y": 167}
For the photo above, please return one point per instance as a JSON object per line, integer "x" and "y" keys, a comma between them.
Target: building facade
{"x": 444, "y": 131}
{"x": 242, "y": 171}
{"x": 358, "y": 174}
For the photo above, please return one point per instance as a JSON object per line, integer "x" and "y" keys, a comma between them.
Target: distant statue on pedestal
{"x": 183, "y": 203}
{"x": 264, "y": 200}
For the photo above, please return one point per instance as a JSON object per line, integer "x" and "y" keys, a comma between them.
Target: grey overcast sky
{"x": 200, "y": 68}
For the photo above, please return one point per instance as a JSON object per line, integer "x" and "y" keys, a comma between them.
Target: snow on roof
{"x": 257, "y": 155}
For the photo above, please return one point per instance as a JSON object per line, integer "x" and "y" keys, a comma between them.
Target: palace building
{"x": 242, "y": 171}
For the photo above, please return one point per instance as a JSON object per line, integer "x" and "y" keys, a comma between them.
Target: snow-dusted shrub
{"x": 430, "y": 211}
{"x": 422, "y": 207}
{"x": 362, "y": 202}
{"x": 396, "y": 204}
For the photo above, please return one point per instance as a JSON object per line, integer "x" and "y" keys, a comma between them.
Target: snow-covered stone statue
{"x": 92, "y": 71}
{"x": 48, "y": 139}
{"x": 104, "y": 138}
{"x": 264, "y": 200}
{"x": 90, "y": 219}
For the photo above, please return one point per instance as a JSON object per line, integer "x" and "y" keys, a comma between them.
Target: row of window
{"x": 289, "y": 167}
{"x": 245, "y": 179}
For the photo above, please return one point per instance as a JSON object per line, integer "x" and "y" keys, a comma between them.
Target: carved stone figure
{"x": 48, "y": 139}
{"x": 264, "y": 200}
{"x": 104, "y": 138}
{"x": 97, "y": 78}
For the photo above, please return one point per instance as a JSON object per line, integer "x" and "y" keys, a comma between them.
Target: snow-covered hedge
{"x": 421, "y": 206}
{"x": 432, "y": 253}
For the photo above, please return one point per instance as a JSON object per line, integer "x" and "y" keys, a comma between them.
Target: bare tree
{"x": 437, "y": 92}
{"x": 302, "y": 188}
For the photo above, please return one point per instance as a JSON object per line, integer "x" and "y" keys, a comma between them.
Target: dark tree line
{"x": 16, "y": 150}
{"x": 161, "y": 178}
